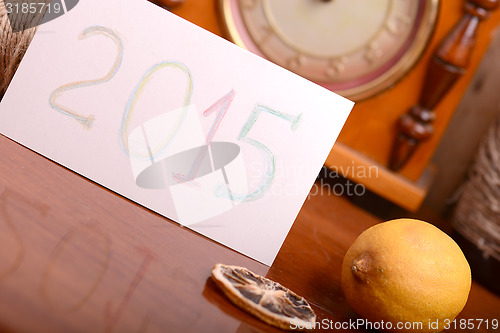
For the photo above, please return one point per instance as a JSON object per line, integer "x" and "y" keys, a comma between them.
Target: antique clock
{"x": 356, "y": 48}
{"x": 405, "y": 63}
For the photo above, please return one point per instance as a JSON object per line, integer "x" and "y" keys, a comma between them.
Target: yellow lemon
{"x": 406, "y": 275}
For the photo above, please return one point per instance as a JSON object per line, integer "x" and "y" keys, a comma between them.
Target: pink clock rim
{"x": 365, "y": 86}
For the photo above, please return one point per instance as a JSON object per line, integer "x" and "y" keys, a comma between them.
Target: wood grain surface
{"x": 75, "y": 257}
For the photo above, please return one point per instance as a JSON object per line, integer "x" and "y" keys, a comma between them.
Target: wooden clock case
{"x": 364, "y": 147}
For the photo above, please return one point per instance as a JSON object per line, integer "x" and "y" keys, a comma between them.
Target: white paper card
{"x": 174, "y": 118}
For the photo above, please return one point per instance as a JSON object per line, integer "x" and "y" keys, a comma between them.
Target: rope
{"x": 13, "y": 45}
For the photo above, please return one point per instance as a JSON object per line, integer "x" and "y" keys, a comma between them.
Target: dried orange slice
{"x": 265, "y": 299}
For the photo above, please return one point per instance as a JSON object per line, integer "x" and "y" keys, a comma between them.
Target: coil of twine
{"x": 477, "y": 213}
{"x": 13, "y": 45}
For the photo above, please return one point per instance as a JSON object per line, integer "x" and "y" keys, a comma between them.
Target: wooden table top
{"x": 75, "y": 257}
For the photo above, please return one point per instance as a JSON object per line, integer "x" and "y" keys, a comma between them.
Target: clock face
{"x": 356, "y": 48}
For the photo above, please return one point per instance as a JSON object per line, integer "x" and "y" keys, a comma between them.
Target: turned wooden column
{"x": 448, "y": 63}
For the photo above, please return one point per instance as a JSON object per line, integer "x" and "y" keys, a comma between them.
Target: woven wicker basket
{"x": 477, "y": 213}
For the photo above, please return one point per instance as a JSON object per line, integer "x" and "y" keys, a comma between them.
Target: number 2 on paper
{"x": 87, "y": 121}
